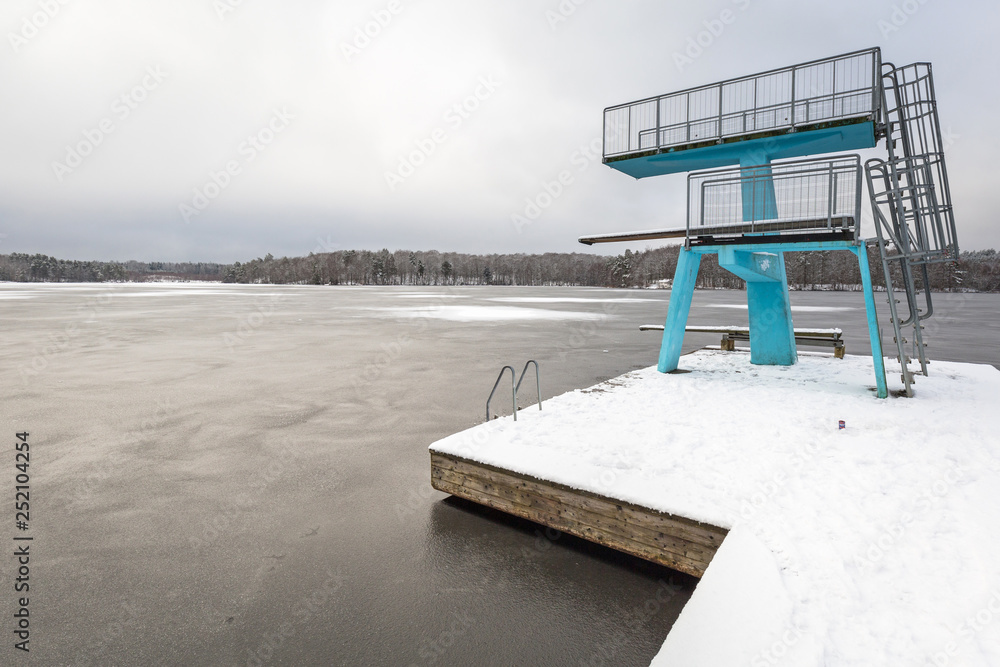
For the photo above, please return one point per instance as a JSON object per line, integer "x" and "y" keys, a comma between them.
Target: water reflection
{"x": 521, "y": 579}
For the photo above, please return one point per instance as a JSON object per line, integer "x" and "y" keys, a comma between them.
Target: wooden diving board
{"x": 834, "y": 224}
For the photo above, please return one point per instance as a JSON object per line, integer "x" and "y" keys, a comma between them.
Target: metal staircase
{"x": 911, "y": 205}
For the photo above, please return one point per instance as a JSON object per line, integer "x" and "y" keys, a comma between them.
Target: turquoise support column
{"x": 757, "y": 187}
{"x": 681, "y": 294}
{"x": 772, "y": 338}
{"x": 873, "y": 332}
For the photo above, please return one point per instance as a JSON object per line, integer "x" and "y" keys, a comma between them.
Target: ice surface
{"x": 426, "y": 295}
{"x": 567, "y": 299}
{"x": 486, "y": 313}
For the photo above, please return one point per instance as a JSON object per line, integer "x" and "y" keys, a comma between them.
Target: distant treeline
{"x": 24, "y": 268}
{"x": 837, "y": 270}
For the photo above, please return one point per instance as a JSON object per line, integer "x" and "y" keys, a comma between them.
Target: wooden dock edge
{"x": 673, "y": 541}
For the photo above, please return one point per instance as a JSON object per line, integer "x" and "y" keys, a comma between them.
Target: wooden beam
{"x": 676, "y": 542}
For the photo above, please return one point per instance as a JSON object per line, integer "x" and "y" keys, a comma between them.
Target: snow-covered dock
{"x": 875, "y": 543}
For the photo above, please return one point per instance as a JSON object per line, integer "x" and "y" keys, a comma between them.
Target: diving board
{"x": 838, "y": 224}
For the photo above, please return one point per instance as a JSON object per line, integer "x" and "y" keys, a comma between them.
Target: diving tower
{"x": 755, "y": 193}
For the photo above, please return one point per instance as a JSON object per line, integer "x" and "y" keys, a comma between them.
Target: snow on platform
{"x": 872, "y": 545}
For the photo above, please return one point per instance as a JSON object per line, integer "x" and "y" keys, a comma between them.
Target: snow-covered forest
{"x": 977, "y": 270}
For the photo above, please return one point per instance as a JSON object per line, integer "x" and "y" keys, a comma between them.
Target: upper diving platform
{"x": 821, "y": 106}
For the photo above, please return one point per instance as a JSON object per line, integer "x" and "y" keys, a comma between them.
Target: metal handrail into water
{"x": 515, "y": 386}
{"x": 513, "y": 390}
{"x": 538, "y": 381}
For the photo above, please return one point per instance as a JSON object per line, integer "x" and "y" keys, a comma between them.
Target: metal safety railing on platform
{"x": 815, "y": 195}
{"x": 515, "y": 386}
{"x": 821, "y": 91}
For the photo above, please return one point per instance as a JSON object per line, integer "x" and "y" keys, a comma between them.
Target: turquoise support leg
{"x": 772, "y": 336}
{"x": 681, "y": 294}
{"x": 873, "y": 332}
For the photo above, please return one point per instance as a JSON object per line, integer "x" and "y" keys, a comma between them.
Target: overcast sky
{"x": 226, "y": 129}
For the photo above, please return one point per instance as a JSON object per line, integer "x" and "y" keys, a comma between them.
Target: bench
{"x": 815, "y": 337}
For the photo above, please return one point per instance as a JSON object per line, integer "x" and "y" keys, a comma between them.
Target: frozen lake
{"x": 233, "y": 475}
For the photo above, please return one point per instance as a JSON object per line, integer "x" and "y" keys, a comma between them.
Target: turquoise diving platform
{"x": 760, "y": 148}
{"x": 822, "y": 106}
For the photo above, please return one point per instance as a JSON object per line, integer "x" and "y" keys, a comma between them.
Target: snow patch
{"x": 740, "y": 598}
{"x": 486, "y": 313}
{"x": 427, "y": 295}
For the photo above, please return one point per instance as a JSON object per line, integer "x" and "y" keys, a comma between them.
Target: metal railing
{"x": 513, "y": 391}
{"x": 820, "y": 91}
{"x": 514, "y": 388}
{"x": 793, "y": 196}
{"x": 538, "y": 381}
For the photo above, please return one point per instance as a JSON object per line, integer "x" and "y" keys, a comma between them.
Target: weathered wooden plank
{"x": 709, "y": 536}
{"x": 677, "y": 542}
{"x": 661, "y": 538}
{"x": 674, "y": 546}
{"x": 694, "y": 531}
{"x": 619, "y": 528}
{"x": 585, "y": 532}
